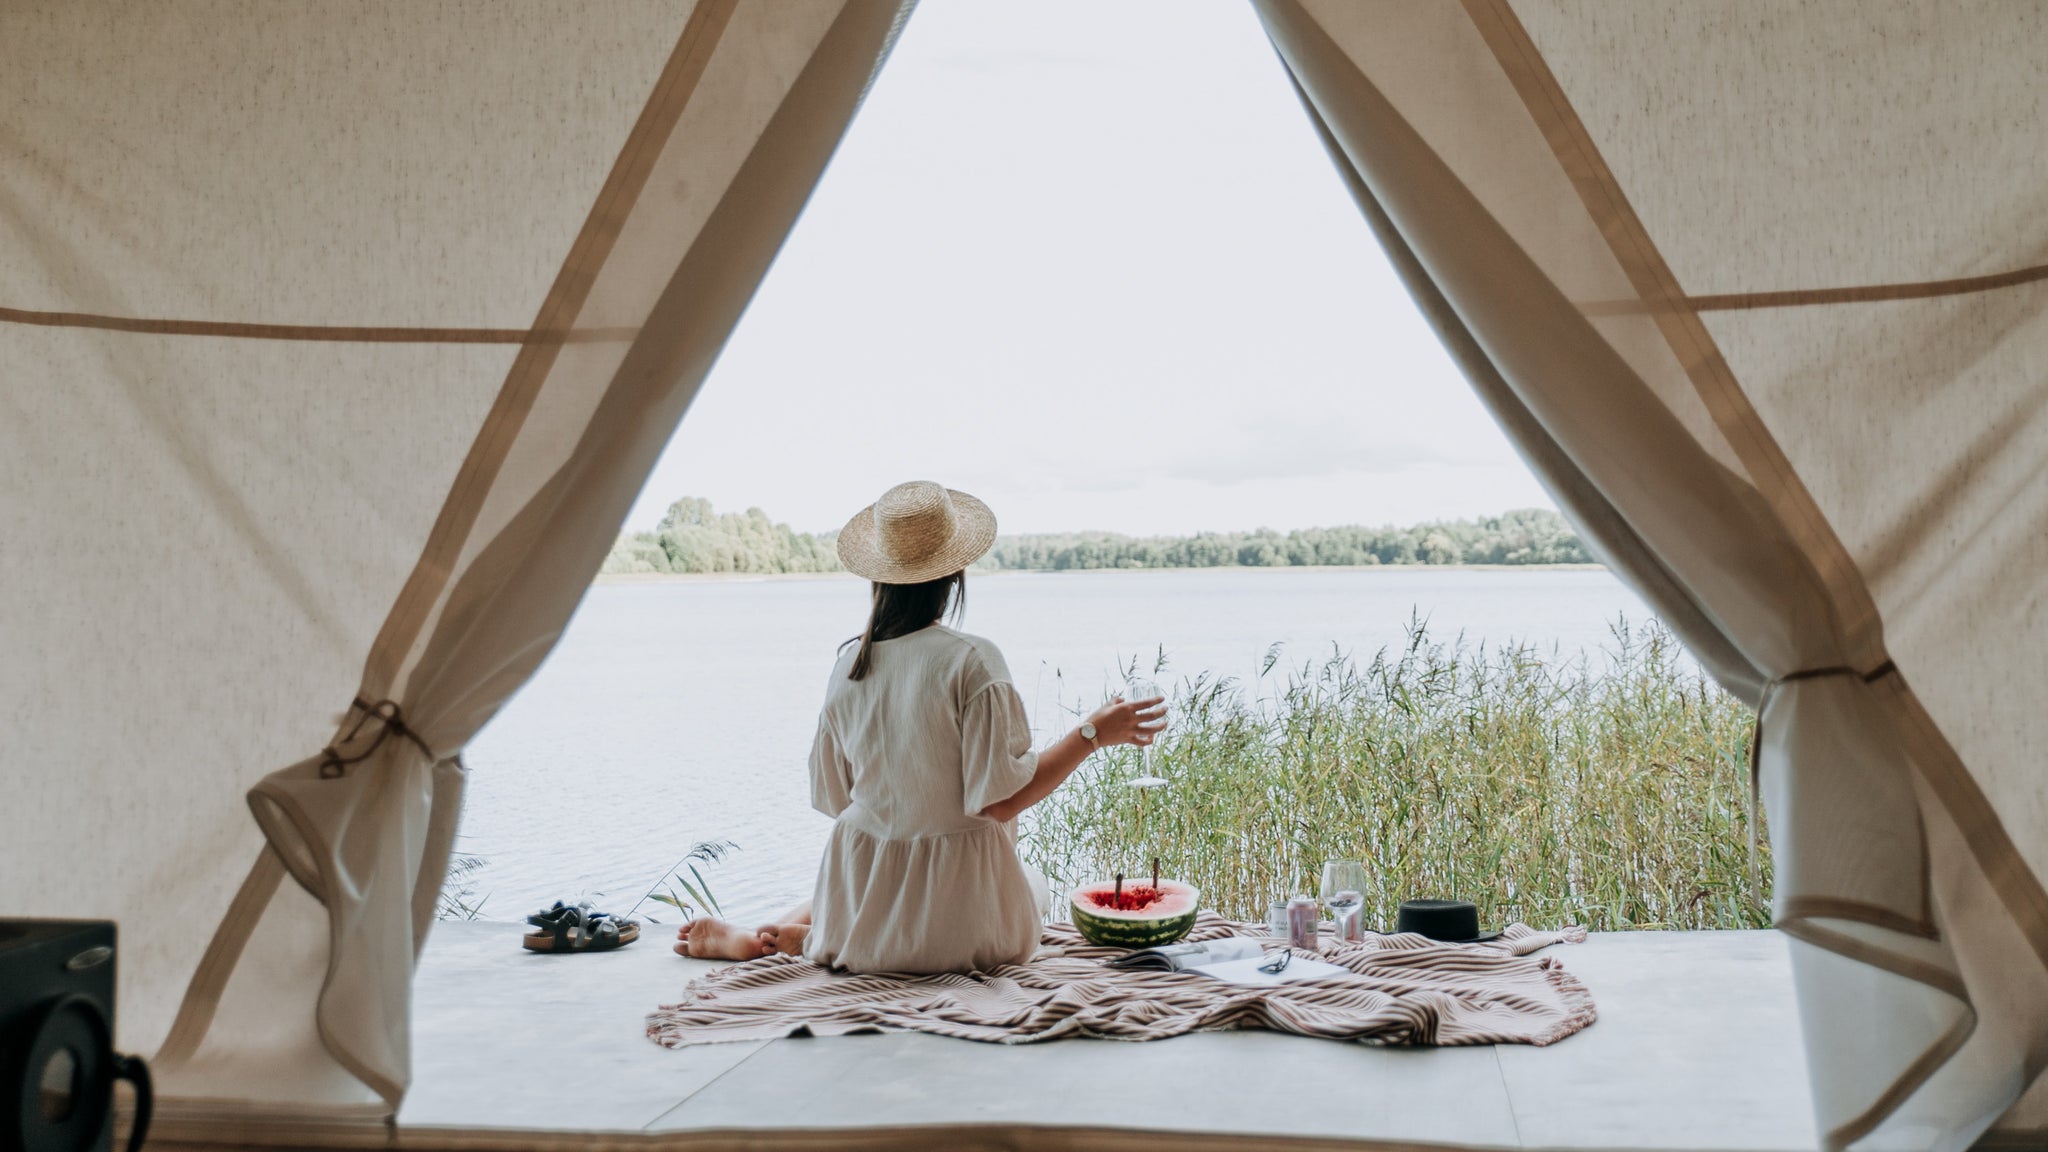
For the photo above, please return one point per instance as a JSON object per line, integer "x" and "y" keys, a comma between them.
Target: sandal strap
{"x": 559, "y": 919}
{"x": 590, "y": 936}
{"x": 551, "y": 918}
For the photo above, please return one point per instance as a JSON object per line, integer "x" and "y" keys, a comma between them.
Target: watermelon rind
{"x": 1126, "y": 930}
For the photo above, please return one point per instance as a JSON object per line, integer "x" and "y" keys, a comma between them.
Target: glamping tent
{"x": 335, "y": 341}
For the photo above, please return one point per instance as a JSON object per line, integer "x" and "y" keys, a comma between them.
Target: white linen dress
{"x": 913, "y": 878}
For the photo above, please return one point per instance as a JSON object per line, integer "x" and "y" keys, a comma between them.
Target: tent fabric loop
{"x": 391, "y": 721}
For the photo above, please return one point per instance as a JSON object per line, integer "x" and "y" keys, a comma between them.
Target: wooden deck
{"x": 1697, "y": 1048}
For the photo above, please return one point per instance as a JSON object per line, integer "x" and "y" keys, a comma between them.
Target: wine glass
{"x": 1344, "y": 895}
{"x": 1144, "y": 690}
{"x": 1146, "y": 781}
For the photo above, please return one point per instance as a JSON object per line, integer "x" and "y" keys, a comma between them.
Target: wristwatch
{"x": 1088, "y": 734}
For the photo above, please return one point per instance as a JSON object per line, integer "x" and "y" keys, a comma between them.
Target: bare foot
{"x": 709, "y": 939}
{"x": 787, "y": 939}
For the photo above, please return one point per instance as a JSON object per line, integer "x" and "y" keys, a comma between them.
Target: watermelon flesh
{"x": 1140, "y": 916}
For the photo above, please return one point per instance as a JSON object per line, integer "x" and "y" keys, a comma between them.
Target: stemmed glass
{"x": 1145, "y": 690}
{"x": 1344, "y": 895}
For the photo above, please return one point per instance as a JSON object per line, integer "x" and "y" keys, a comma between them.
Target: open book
{"x": 1237, "y": 959}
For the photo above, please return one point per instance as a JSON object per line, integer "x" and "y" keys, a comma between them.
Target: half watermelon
{"x": 1142, "y": 916}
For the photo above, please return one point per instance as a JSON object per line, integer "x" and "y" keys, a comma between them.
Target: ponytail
{"x": 900, "y": 609}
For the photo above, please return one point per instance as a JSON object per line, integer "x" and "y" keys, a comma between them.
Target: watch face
{"x": 1087, "y": 731}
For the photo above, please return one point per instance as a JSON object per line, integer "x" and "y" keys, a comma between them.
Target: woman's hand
{"x": 1136, "y": 722}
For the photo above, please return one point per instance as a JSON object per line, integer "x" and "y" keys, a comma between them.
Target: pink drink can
{"x": 1301, "y": 923}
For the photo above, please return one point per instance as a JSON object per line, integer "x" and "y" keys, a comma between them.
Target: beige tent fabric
{"x": 338, "y": 340}
{"x": 1759, "y": 292}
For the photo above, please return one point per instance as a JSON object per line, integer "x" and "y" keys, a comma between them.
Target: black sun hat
{"x": 1451, "y": 921}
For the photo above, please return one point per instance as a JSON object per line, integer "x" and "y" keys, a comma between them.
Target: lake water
{"x": 678, "y": 712}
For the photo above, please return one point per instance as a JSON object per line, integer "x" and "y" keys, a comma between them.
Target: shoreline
{"x": 627, "y": 578}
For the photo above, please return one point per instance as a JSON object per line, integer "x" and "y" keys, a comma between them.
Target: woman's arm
{"x": 1117, "y": 722}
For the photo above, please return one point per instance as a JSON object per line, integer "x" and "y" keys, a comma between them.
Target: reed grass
{"x": 1609, "y": 791}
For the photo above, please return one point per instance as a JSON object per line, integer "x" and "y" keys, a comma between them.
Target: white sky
{"x": 1090, "y": 263}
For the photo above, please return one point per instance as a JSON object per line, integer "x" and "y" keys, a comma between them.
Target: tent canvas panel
{"x": 216, "y": 520}
{"x": 193, "y": 527}
{"x": 323, "y": 304}
{"x": 1482, "y": 195}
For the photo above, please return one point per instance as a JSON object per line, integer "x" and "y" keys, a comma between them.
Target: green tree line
{"x": 695, "y": 538}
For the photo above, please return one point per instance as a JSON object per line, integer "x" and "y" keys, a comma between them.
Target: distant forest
{"x": 695, "y": 538}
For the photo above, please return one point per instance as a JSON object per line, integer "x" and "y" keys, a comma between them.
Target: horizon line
{"x": 655, "y": 528}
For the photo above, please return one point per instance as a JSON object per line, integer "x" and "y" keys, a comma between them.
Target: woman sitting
{"x": 923, "y": 760}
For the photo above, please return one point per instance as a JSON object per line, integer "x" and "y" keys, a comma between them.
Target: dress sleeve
{"x": 996, "y": 759}
{"x": 831, "y": 775}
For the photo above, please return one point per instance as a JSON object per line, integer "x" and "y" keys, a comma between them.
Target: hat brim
{"x": 974, "y": 533}
{"x": 1482, "y": 938}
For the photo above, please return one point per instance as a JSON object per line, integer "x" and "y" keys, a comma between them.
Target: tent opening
{"x": 1137, "y": 305}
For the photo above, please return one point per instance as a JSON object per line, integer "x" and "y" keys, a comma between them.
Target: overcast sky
{"x": 1089, "y": 262}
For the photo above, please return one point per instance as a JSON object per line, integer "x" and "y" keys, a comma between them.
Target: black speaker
{"x": 57, "y": 1058}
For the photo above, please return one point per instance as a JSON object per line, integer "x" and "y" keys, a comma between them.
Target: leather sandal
{"x": 575, "y": 928}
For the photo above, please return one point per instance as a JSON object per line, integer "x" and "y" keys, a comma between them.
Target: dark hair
{"x": 901, "y": 609}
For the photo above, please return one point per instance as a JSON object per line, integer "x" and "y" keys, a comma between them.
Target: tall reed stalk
{"x": 1609, "y": 792}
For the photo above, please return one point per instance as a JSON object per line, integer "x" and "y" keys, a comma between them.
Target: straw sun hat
{"x": 916, "y": 532}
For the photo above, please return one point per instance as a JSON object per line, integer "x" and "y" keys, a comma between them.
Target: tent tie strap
{"x": 391, "y": 721}
{"x": 1771, "y": 686}
{"x": 1756, "y": 740}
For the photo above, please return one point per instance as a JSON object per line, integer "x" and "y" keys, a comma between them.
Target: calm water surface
{"x": 678, "y": 712}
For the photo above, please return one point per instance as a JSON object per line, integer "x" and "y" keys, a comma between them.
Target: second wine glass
{"x": 1343, "y": 894}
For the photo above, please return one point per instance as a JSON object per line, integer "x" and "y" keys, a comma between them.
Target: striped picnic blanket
{"x": 1403, "y": 989}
